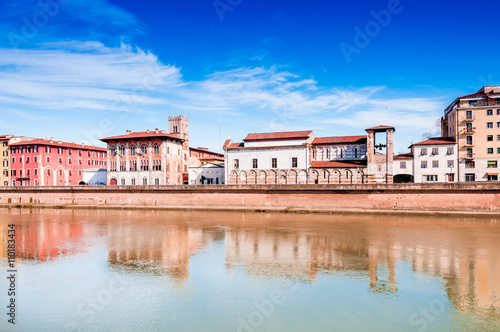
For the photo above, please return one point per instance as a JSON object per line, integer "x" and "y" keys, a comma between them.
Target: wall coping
{"x": 291, "y": 188}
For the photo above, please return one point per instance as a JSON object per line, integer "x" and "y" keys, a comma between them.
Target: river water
{"x": 104, "y": 270}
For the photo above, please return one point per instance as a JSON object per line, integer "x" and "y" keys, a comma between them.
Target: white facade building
{"x": 206, "y": 174}
{"x": 94, "y": 176}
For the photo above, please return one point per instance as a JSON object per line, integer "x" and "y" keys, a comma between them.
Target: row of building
{"x": 467, "y": 150}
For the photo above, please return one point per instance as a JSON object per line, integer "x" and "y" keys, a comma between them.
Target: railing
{"x": 469, "y": 155}
{"x": 469, "y": 118}
{"x": 470, "y": 130}
{"x": 470, "y": 143}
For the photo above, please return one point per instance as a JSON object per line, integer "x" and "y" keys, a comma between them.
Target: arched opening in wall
{"x": 31, "y": 199}
{"x": 81, "y": 183}
{"x": 403, "y": 178}
{"x": 348, "y": 175}
{"x": 113, "y": 182}
{"x": 144, "y": 181}
{"x": 252, "y": 177}
{"x": 292, "y": 177}
{"x": 9, "y": 200}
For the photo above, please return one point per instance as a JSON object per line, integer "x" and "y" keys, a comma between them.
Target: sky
{"x": 81, "y": 70}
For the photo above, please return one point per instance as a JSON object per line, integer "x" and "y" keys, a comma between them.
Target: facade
{"x": 52, "y": 163}
{"x": 403, "y": 168}
{"x": 146, "y": 158}
{"x": 94, "y": 176}
{"x": 435, "y": 160}
{"x": 4, "y": 150}
{"x": 208, "y": 173}
{"x": 300, "y": 157}
{"x": 474, "y": 122}
{"x": 201, "y": 156}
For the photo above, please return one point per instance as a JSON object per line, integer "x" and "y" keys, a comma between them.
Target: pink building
{"x": 52, "y": 163}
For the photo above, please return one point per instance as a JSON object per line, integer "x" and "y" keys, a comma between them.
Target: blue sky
{"x": 82, "y": 70}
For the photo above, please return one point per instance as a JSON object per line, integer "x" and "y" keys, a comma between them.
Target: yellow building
{"x": 4, "y": 150}
{"x": 474, "y": 121}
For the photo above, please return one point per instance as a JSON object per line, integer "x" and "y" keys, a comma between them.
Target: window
{"x": 61, "y": 172}
{"x": 492, "y": 177}
{"x": 355, "y": 153}
{"x": 423, "y": 164}
{"x": 492, "y": 164}
{"x": 472, "y": 102}
{"x": 157, "y": 181}
{"x": 144, "y": 149}
{"x": 79, "y": 152}
{"x": 489, "y": 138}
{"x": 48, "y": 159}
{"x": 35, "y": 159}
{"x": 13, "y": 150}
{"x": 451, "y": 163}
{"x": 470, "y": 177}
{"x": 423, "y": 151}
{"x": 449, "y": 151}
{"x": 70, "y": 172}
{"x": 254, "y": 163}
{"x": 20, "y": 160}
{"x": 69, "y": 152}
{"x": 28, "y": 149}
{"x": 498, "y": 124}
{"x": 145, "y": 181}
{"x": 132, "y": 150}
{"x": 133, "y": 182}
{"x": 6, "y": 153}
{"x": 13, "y": 160}
{"x": 236, "y": 164}
{"x": 79, "y": 161}
{"x": 47, "y": 149}
{"x": 435, "y": 151}
{"x": 468, "y": 115}
{"x": 123, "y": 181}
{"x": 60, "y": 160}
{"x": 13, "y": 172}
{"x": 48, "y": 172}
{"x": 59, "y": 151}
{"x": 69, "y": 161}
{"x": 35, "y": 149}
{"x": 498, "y": 110}
{"x": 489, "y": 112}
{"x": 20, "y": 149}
{"x": 450, "y": 177}
{"x": 274, "y": 163}
{"x": 156, "y": 149}
{"x": 27, "y": 160}
{"x": 402, "y": 164}
{"x": 498, "y": 150}
{"x": 294, "y": 162}
{"x": 430, "y": 178}
{"x": 328, "y": 154}
{"x": 88, "y": 153}
{"x": 80, "y": 172}
{"x": 35, "y": 172}
{"x": 435, "y": 164}
{"x": 5, "y": 163}
{"x": 470, "y": 164}
{"x": 489, "y": 125}
{"x": 121, "y": 148}
{"x": 490, "y": 150}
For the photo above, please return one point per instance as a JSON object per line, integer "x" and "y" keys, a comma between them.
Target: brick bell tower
{"x": 379, "y": 168}
{"x": 179, "y": 125}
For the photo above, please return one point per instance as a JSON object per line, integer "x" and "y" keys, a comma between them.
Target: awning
{"x": 492, "y": 173}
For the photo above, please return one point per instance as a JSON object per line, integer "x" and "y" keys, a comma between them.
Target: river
{"x": 118, "y": 270}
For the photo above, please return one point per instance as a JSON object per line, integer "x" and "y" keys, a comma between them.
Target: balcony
{"x": 470, "y": 155}
{"x": 468, "y": 118}
{"x": 470, "y": 143}
{"x": 470, "y": 130}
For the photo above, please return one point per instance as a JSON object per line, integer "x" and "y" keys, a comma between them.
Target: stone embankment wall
{"x": 480, "y": 197}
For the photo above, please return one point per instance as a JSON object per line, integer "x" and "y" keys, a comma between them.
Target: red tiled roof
{"x": 473, "y": 95}
{"x": 235, "y": 145}
{"x": 403, "y": 156}
{"x": 340, "y": 139}
{"x": 436, "y": 140}
{"x": 380, "y": 128}
{"x": 58, "y": 143}
{"x": 143, "y": 134}
{"x": 342, "y": 164}
{"x": 278, "y": 135}
{"x": 208, "y": 151}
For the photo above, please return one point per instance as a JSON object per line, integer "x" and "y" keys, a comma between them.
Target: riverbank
{"x": 430, "y": 199}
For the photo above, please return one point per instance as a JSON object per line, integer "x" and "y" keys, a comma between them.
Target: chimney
{"x": 147, "y": 131}
{"x": 157, "y": 130}
{"x": 129, "y": 132}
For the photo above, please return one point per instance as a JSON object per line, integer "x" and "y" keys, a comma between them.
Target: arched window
{"x": 48, "y": 172}
{"x": 145, "y": 181}
{"x": 341, "y": 153}
{"x": 156, "y": 149}
{"x": 132, "y": 150}
{"x": 356, "y": 153}
{"x": 144, "y": 149}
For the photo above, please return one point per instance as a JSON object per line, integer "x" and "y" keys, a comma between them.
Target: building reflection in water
{"x": 463, "y": 254}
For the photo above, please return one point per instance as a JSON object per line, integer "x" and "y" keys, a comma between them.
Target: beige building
{"x": 474, "y": 122}
{"x": 4, "y": 150}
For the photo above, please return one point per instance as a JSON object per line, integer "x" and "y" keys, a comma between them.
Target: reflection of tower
{"x": 380, "y": 165}
{"x": 179, "y": 125}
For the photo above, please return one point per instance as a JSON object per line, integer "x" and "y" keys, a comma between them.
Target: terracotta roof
{"x": 340, "y": 139}
{"x": 342, "y": 164}
{"x": 59, "y": 144}
{"x": 436, "y": 141}
{"x": 278, "y": 135}
{"x": 403, "y": 156}
{"x": 235, "y": 145}
{"x": 142, "y": 134}
{"x": 208, "y": 151}
{"x": 381, "y": 127}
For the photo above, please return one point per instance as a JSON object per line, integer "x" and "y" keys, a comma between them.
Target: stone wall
{"x": 440, "y": 197}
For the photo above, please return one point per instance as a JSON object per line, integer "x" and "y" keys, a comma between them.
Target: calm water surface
{"x": 182, "y": 271}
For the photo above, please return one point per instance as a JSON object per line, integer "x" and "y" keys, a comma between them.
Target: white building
{"x": 435, "y": 160}
{"x": 208, "y": 173}
{"x": 403, "y": 168}
{"x": 94, "y": 176}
